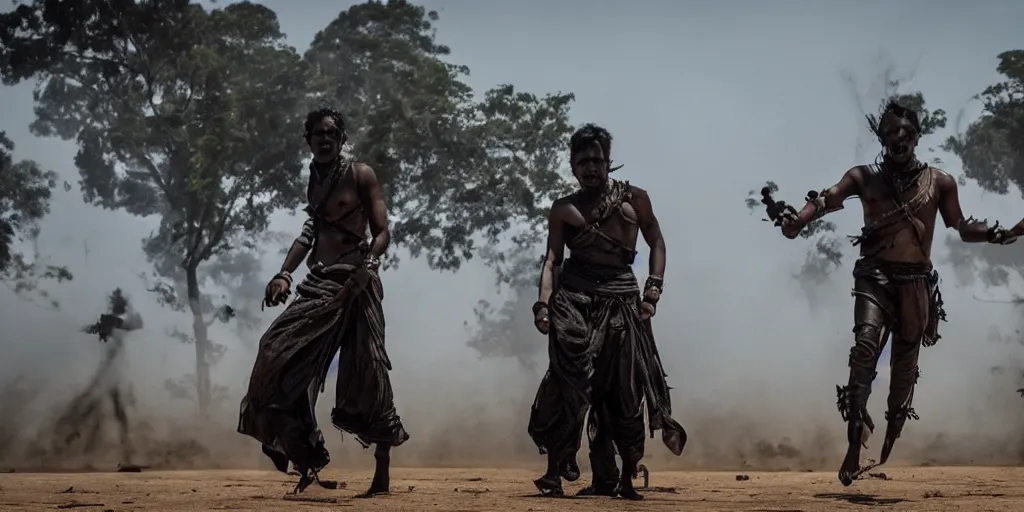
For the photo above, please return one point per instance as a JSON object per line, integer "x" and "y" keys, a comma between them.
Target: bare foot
{"x": 305, "y": 480}
{"x": 380, "y": 486}
{"x": 851, "y": 466}
{"x": 628, "y": 492}
{"x": 549, "y": 486}
{"x": 374, "y": 492}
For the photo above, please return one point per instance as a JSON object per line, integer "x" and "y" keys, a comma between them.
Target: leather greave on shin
{"x": 901, "y": 398}
{"x": 852, "y": 399}
{"x": 852, "y": 403}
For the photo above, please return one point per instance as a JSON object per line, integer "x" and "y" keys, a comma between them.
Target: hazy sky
{"x": 705, "y": 101}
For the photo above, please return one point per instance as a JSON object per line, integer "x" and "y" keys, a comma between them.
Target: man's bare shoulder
{"x": 363, "y": 170}
{"x": 944, "y": 182}
{"x": 943, "y": 178}
{"x": 562, "y": 206}
{"x": 638, "y": 193}
{"x": 860, "y": 172}
{"x": 562, "y": 202}
{"x": 364, "y": 176}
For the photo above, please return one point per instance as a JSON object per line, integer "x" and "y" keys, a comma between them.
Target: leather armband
{"x": 818, "y": 199}
{"x": 539, "y": 305}
{"x": 652, "y": 289}
{"x": 284, "y": 274}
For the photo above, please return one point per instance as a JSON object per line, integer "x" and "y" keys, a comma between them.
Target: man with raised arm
{"x": 895, "y": 286}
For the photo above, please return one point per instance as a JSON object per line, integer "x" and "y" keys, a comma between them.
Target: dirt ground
{"x": 463, "y": 490}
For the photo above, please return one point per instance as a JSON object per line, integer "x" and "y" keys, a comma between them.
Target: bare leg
{"x": 871, "y": 328}
{"x": 382, "y": 473}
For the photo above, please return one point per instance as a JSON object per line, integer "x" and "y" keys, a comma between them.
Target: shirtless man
{"x": 603, "y": 358}
{"x": 337, "y": 308}
{"x": 895, "y": 287}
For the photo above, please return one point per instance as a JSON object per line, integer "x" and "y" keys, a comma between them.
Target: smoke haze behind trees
{"x": 663, "y": 97}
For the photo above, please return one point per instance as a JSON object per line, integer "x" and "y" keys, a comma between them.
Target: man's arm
{"x": 299, "y": 249}
{"x": 555, "y": 253}
{"x": 1017, "y": 230}
{"x": 373, "y": 203}
{"x": 828, "y": 201}
{"x": 970, "y": 230}
{"x": 651, "y": 230}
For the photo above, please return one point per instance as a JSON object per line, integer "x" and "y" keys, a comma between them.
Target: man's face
{"x": 590, "y": 166}
{"x": 325, "y": 140}
{"x": 899, "y": 138}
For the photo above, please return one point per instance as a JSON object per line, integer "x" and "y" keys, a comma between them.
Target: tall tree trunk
{"x": 199, "y": 332}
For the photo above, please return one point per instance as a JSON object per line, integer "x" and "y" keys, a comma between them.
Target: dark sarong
{"x": 901, "y": 299}
{"x": 602, "y": 358}
{"x": 337, "y": 308}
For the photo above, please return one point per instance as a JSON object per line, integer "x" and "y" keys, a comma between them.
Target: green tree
{"x": 25, "y": 194}
{"x": 991, "y": 151}
{"x": 181, "y": 113}
{"x": 463, "y": 176}
{"x": 826, "y": 254}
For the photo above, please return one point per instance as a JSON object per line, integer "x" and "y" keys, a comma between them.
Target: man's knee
{"x": 867, "y": 346}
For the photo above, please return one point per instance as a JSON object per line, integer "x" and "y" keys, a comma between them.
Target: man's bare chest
{"x": 881, "y": 200}
{"x": 335, "y": 200}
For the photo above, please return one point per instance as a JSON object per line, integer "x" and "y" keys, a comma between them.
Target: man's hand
{"x": 647, "y": 310}
{"x": 781, "y": 214}
{"x": 652, "y": 294}
{"x": 999, "y": 236}
{"x": 789, "y": 222}
{"x": 541, "y": 319}
{"x": 277, "y": 292}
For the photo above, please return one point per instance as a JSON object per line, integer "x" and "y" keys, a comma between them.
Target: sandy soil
{"x": 463, "y": 490}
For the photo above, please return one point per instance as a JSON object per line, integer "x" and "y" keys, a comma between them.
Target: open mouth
{"x": 325, "y": 147}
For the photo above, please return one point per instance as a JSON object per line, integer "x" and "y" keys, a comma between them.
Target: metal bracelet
{"x": 818, "y": 200}
{"x": 372, "y": 262}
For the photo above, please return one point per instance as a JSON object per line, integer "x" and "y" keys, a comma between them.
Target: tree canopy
{"x": 456, "y": 169}
{"x": 194, "y": 116}
{"x": 186, "y": 114}
{"x": 992, "y": 147}
{"x": 25, "y": 194}
{"x": 464, "y": 175}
